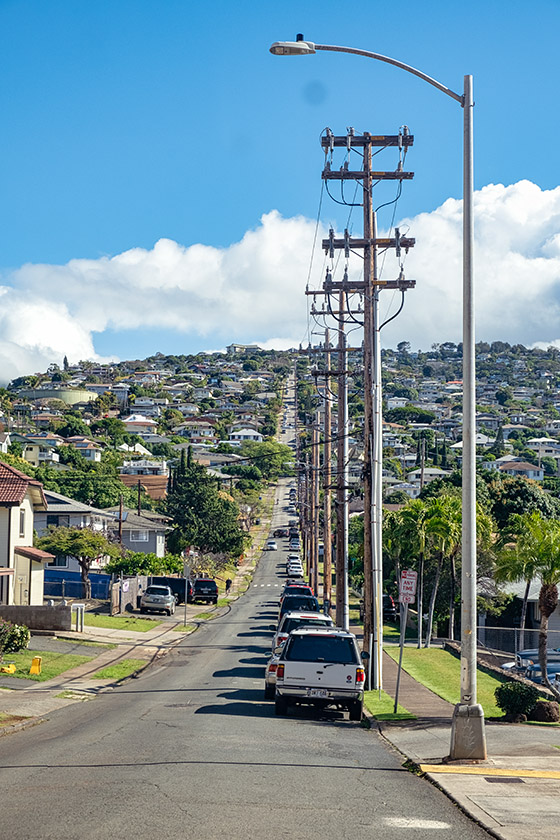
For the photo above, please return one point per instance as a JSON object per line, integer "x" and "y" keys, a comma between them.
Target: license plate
{"x": 317, "y": 692}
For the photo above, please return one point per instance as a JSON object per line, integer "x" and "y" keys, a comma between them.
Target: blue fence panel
{"x": 64, "y": 584}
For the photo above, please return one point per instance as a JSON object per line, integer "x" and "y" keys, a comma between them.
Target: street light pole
{"x": 467, "y": 737}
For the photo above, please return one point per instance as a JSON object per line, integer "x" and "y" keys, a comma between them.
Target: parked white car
{"x": 158, "y": 599}
{"x": 298, "y": 618}
{"x": 321, "y": 667}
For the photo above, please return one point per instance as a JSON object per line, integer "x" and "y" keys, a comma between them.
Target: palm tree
{"x": 412, "y": 532}
{"x": 517, "y": 560}
{"x": 538, "y": 540}
{"x": 444, "y": 531}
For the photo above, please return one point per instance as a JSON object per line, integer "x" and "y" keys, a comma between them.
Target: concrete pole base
{"x": 468, "y": 739}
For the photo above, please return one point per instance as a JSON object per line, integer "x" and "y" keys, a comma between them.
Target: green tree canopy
{"x": 204, "y": 516}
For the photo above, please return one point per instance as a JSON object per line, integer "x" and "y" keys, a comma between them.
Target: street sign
{"x": 407, "y": 586}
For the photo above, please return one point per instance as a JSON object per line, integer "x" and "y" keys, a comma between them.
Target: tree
{"x": 443, "y": 528}
{"x": 83, "y": 544}
{"x": 515, "y": 494}
{"x": 409, "y": 414}
{"x": 138, "y": 563}
{"x": 516, "y": 560}
{"x": 72, "y": 424}
{"x": 270, "y": 457}
{"x": 411, "y": 531}
{"x": 538, "y": 554}
{"x": 498, "y": 448}
{"x": 204, "y": 516}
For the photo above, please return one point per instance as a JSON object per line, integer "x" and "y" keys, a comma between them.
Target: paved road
{"x": 192, "y": 750}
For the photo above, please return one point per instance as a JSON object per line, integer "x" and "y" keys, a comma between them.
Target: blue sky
{"x": 131, "y": 121}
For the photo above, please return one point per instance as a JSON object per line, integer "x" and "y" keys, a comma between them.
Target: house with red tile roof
{"x": 21, "y": 565}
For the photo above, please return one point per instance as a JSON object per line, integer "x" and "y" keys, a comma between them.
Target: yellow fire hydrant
{"x": 36, "y": 665}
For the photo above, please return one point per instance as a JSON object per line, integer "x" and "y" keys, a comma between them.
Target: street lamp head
{"x": 297, "y": 47}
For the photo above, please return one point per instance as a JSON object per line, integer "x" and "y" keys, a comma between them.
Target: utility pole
{"x": 121, "y": 505}
{"x": 369, "y": 254}
{"x": 373, "y": 446}
{"x": 315, "y": 503}
{"x": 342, "y": 611}
{"x": 327, "y": 478}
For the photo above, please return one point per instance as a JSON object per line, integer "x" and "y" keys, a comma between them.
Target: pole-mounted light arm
{"x": 301, "y": 47}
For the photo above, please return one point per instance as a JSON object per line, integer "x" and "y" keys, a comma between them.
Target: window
{"x": 331, "y": 649}
{"x": 60, "y": 562}
{"x": 138, "y": 536}
{"x": 58, "y": 520}
{"x": 22, "y": 522}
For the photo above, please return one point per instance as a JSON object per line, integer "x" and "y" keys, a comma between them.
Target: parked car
{"x": 308, "y": 603}
{"x": 298, "y": 588}
{"x": 298, "y": 618}
{"x": 271, "y": 545}
{"x": 390, "y": 609}
{"x": 157, "y": 599}
{"x": 533, "y": 672}
{"x": 320, "y": 667}
{"x": 205, "y": 589}
{"x": 177, "y": 586}
{"x": 530, "y": 656}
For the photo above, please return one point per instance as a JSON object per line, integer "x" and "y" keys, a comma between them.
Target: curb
{"x": 11, "y": 728}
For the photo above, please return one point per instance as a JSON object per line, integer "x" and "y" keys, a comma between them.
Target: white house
{"x": 21, "y": 565}
{"x": 239, "y": 436}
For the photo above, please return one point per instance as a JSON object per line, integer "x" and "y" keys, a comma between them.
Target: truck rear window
{"x": 293, "y": 603}
{"x": 291, "y": 623}
{"x": 335, "y": 649}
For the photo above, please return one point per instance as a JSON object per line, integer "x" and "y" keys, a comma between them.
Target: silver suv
{"x": 158, "y": 599}
{"x": 320, "y": 666}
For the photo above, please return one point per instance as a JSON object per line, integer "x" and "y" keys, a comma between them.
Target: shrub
{"x": 13, "y": 637}
{"x": 516, "y": 698}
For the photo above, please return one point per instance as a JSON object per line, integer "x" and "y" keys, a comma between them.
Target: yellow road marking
{"x": 489, "y": 771}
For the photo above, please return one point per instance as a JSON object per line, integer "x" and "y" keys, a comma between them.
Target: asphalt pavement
{"x": 191, "y": 748}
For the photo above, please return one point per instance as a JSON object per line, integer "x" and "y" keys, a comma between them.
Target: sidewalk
{"x": 514, "y": 794}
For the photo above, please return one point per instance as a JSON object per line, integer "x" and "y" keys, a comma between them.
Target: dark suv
{"x": 205, "y": 589}
{"x": 177, "y": 586}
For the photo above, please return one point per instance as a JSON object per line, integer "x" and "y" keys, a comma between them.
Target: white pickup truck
{"x": 322, "y": 667}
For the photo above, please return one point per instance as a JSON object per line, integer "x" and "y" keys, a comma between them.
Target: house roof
{"x": 34, "y": 553}
{"x": 14, "y": 485}
{"x": 133, "y": 522}
{"x": 154, "y": 485}
{"x": 520, "y": 466}
{"x": 57, "y": 503}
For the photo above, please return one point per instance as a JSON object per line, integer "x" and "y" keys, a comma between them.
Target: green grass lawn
{"x": 119, "y": 670}
{"x": 381, "y": 707}
{"x": 121, "y": 622}
{"x": 205, "y": 615}
{"x": 182, "y": 628}
{"x": 392, "y": 632}
{"x": 440, "y": 671}
{"x": 52, "y": 664}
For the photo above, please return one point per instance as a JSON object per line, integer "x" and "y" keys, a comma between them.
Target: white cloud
{"x": 253, "y": 291}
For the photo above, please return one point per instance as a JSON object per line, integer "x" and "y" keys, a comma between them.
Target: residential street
{"x": 191, "y": 749}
